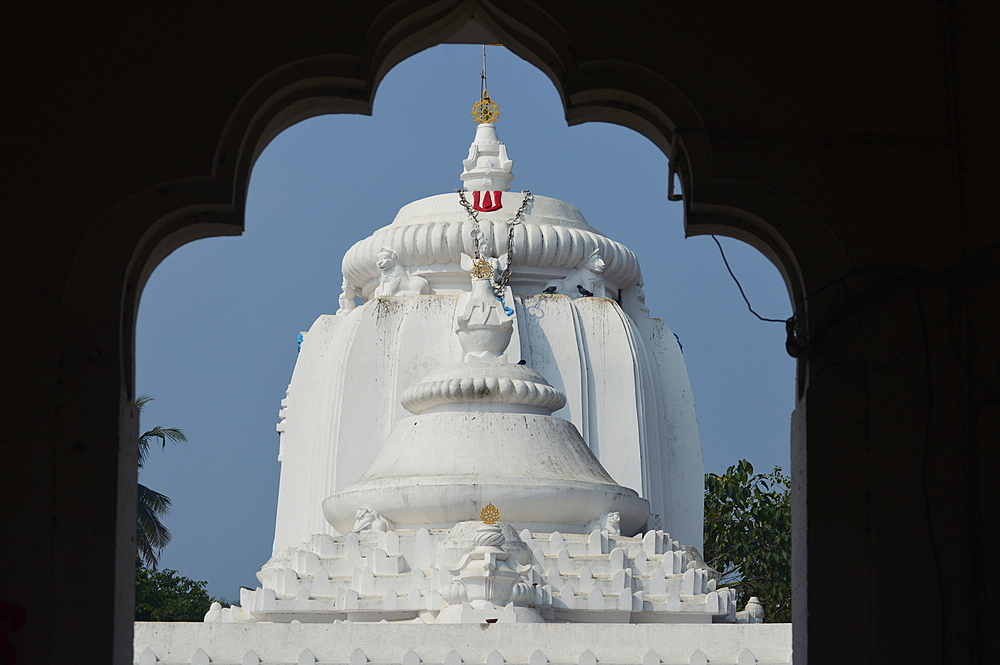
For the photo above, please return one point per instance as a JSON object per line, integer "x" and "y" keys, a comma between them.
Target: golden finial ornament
{"x": 489, "y": 514}
{"x": 482, "y": 269}
{"x": 486, "y": 110}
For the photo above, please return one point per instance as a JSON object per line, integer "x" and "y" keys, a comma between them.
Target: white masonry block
{"x": 563, "y": 559}
{"x": 625, "y": 601}
{"x": 306, "y": 657}
{"x": 689, "y": 582}
{"x": 286, "y": 583}
{"x": 618, "y": 559}
{"x": 305, "y": 563}
{"x": 389, "y": 542}
{"x": 657, "y": 583}
{"x": 641, "y": 562}
{"x": 568, "y": 593}
{"x": 680, "y": 561}
{"x": 423, "y": 550}
{"x": 418, "y": 578}
{"x": 323, "y": 545}
{"x": 433, "y": 601}
{"x": 250, "y": 658}
{"x": 384, "y": 564}
{"x": 649, "y": 543}
{"x": 621, "y": 581}
{"x": 347, "y": 599}
{"x": 413, "y": 597}
{"x": 586, "y": 580}
{"x": 363, "y": 581}
{"x": 597, "y": 542}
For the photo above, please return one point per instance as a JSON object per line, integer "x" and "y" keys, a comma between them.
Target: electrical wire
{"x": 740, "y": 287}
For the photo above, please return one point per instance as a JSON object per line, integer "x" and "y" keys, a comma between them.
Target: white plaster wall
{"x": 626, "y": 387}
{"x": 671, "y": 644}
{"x": 677, "y": 466}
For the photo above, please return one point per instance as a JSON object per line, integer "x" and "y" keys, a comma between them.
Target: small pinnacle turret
{"x": 487, "y": 171}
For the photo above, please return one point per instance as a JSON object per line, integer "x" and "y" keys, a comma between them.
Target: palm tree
{"x": 150, "y": 533}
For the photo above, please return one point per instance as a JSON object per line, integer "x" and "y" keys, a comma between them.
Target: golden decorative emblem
{"x": 486, "y": 110}
{"x": 489, "y": 514}
{"x": 482, "y": 269}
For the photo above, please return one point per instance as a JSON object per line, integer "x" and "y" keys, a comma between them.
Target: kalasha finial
{"x": 482, "y": 269}
{"x": 486, "y": 110}
{"x": 489, "y": 514}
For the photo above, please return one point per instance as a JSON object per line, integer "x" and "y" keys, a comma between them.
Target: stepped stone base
{"x": 405, "y": 575}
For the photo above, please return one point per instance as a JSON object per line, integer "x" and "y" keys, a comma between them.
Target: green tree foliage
{"x": 151, "y": 534}
{"x": 748, "y": 536}
{"x": 163, "y": 595}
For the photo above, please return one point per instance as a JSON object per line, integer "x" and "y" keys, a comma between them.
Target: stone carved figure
{"x": 610, "y": 522}
{"x": 368, "y": 521}
{"x": 396, "y": 279}
{"x": 347, "y": 294}
{"x": 585, "y": 280}
{"x": 752, "y": 613}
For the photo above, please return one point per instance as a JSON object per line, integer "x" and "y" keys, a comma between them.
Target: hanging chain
{"x": 511, "y": 223}
{"x": 476, "y": 232}
{"x": 477, "y": 235}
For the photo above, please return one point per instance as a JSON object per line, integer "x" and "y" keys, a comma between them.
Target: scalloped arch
{"x": 151, "y": 224}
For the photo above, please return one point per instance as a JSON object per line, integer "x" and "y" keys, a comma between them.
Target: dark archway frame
{"x": 148, "y": 226}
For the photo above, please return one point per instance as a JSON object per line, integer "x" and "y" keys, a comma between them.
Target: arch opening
{"x": 305, "y": 208}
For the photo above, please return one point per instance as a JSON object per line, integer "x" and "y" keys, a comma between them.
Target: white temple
{"x": 490, "y": 430}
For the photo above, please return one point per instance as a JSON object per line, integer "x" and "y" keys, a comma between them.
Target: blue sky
{"x": 219, "y": 318}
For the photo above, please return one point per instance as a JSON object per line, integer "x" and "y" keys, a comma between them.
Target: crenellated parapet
{"x": 412, "y": 575}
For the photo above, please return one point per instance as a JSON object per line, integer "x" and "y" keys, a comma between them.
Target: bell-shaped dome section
{"x": 483, "y": 432}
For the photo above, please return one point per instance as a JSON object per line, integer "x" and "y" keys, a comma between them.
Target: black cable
{"x": 740, "y": 287}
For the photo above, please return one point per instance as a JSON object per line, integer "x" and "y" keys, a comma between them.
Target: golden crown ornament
{"x": 486, "y": 110}
{"x": 489, "y": 514}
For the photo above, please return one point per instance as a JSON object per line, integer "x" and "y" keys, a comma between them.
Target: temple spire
{"x": 487, "y": 169}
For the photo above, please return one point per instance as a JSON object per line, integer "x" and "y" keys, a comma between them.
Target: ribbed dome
{"x": 430, "y": 236}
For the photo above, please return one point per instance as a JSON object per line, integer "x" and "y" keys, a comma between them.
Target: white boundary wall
{"x": 492, "y": 644}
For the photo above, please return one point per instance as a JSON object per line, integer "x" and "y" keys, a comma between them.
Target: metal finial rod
{"x": 484, "y": 87}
